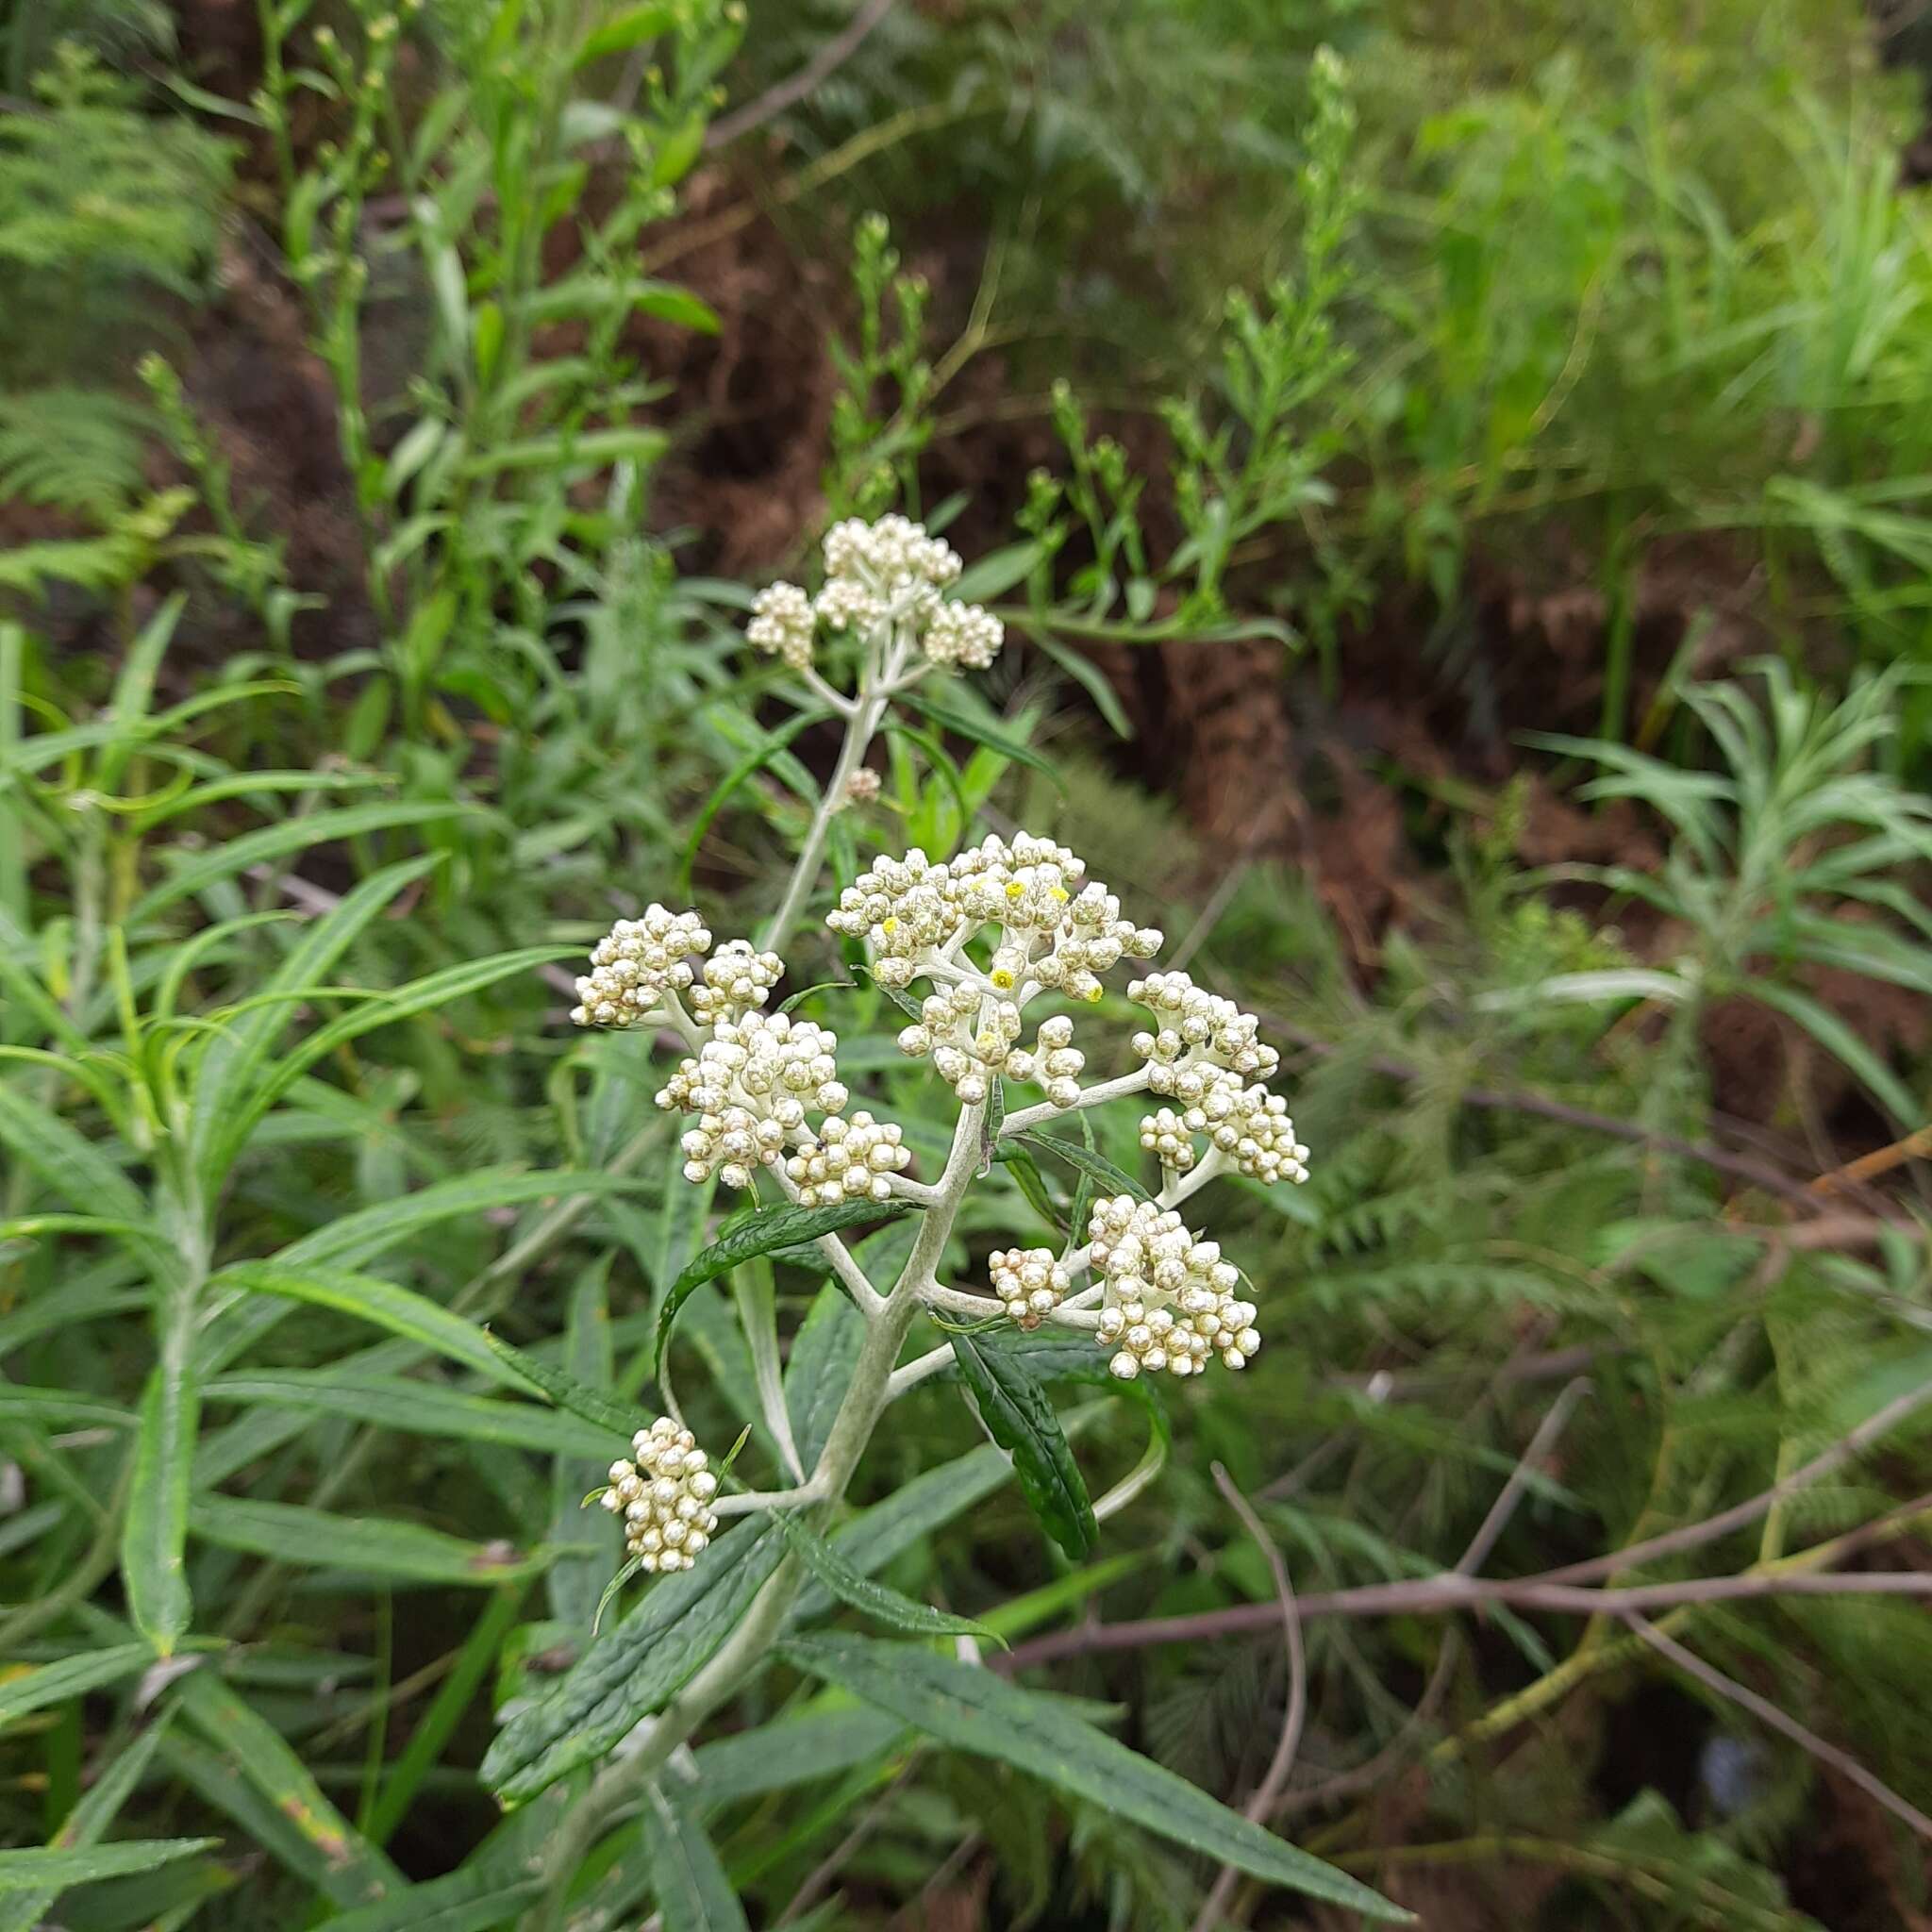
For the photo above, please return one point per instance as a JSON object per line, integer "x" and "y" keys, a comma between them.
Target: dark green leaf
{"x": 762, "y": 1233}
{"x": 1085, "y": 1160}
{"x": 1021, "y": 1420}
{"x": 963, "y": 725}
{"x": 694, "y": 1894}
{"x": 820, "y": 1370}
{"x": 366, "y": 1545}
{"x": 793, "y": 1751}
{"x": 72, "y": 1676}
{"x": 566, "y": 1391}
{"x": 634, "y": 1668}
{"x": 880, "y": 1601}
{"x": 54, "y": 1869}
{"x": 970, "y": 1709}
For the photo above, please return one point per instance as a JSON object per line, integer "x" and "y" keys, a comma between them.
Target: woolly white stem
{"x": 1031, "y": 1117}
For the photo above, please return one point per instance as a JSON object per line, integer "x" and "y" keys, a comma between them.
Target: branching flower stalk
{"x": 991, "y": 932}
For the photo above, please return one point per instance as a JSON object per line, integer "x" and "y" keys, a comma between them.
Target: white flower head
{"x": 635, "y": 963}
{"x": 1170, "y": 1303}
{"x": 1029, "y": 1281}
{"x": 737, "y": 977}
{"x": 663, "y": 1492}
{"x": 848, "y": 1160}
{"x": 782, "y": 624}
{"x": 1200, "y": 1060}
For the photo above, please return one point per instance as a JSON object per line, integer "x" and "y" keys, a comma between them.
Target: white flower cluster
{"x": 1169, "y": 1301}
{"x": 635, "y": 963}
{"x": 967, "y": 1053}
{"x": 782, "y": 624}
{"x": 1201, "y": 1058}
{"x": 847, "y": 1161}
{"x": 1055, "y": 932}
{"x": 664, "y": 1495}
{"x": 886, "y": 573}
{"x": 750, "y": 1086}
{"x": 1030, "y": 1282}
{"x": 736, "y": 979}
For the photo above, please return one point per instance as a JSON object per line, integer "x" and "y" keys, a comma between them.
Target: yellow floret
{"x": 1002, "y": 978}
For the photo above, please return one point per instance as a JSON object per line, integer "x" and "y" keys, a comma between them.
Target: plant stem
{"x": 750, "y": 1646}
{"x": 861, "y": 728}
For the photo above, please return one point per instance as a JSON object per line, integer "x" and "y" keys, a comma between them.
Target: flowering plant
{"x": 984, "y": 952}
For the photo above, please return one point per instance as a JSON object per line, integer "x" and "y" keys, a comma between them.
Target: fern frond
{"x": 70, "y": 449}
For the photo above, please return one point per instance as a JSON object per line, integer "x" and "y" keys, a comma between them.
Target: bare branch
{"x": 794, "y": 87}
{"x": 1268, "y": 1792}
{"x": 1729, "y": 1689}
{"x": 1427, "y": 1597}
{"x": 1693, "y": 1535}
{"x": 1504, "y": 1507}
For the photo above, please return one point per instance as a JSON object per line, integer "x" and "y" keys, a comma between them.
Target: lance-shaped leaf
{"x": 876, "y": 1600}
{"x": 87, "y": 1825}
{"x": 367, "y": 1545}
{"x": 763, "y": 1233}
{"x": 1097, "y": 1167}
{"x": 620, "y": 1421}
{"x": 153, "y": 1540}
{"x": 48, "y": 1868}
{"x": 1021, "y": 1420}
{"x": 694, "y": 1894}
{"x": 972, "y": 1709}
{"x": 70, "y": 1677}
{"x": 633, "y": 1668}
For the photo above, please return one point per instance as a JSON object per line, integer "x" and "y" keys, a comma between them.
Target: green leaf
{"x": 232, "y": 856}
{"x": 345, "y": 1864}
{"x": 793, "y": 1751}
{"x": 72, "y": 1676}
{"x": 1837, "y": 1039}
{"x": 21, "y": 1404}
{"x": 576, "y": 1582}
{"x": 367, "y": 1545}
{"x": 400, "y": 1311}
{"x": 1095, "y": 1166}
{"x": 963, "y": 725}
{"x": 824, "y": 1353}
{"x": 1027, "y": 1178}
{"x": 635, "y": 1668}
{"x": 762, "y": 1233}
{"x": 878, "y": 1536}
{"x": 433, "y": 992}
{"x": 629, "y": 29}
{"x": 878, "y": 1601}
{"x": 21, "y": 1911}
{"x": 1021, "y": 1420}
{"x": 694, "y": 1894}
{"x": 462, "y": 1901}
{"x": 754, "y": 761}
{"x": 70, "y": 1165}
{"x": 619, "y": 1420}
{"x": 417, "y": 1408}
{"x": 229, "y": 1065}
{"x": 154, "y": 1539}
{"x": 996, "y": 573}
{"x": 53, "y": 1870}
{"x": 970, "y": 1709}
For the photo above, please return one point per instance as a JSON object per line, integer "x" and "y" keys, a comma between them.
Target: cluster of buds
{"x": 1201, "y": 1059}
{"x": 970, "y": 1050}
{"x": 736, "y": 979}
{"x": 1169, "y": 1302}
{"x": 664, "y": 1493}
{"x": 750, "y": 1086}
{"x": 889, "y": 573}
{"x": 634, "y": 965}
{"x": 1195, "y": 1027}
{"x": 1030, "y": 1282}
{"x": 1054, "y": 933}
{"x": 848, "y": 1160}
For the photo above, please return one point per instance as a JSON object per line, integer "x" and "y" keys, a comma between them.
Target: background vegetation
{"x": 1464, "y": 523}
